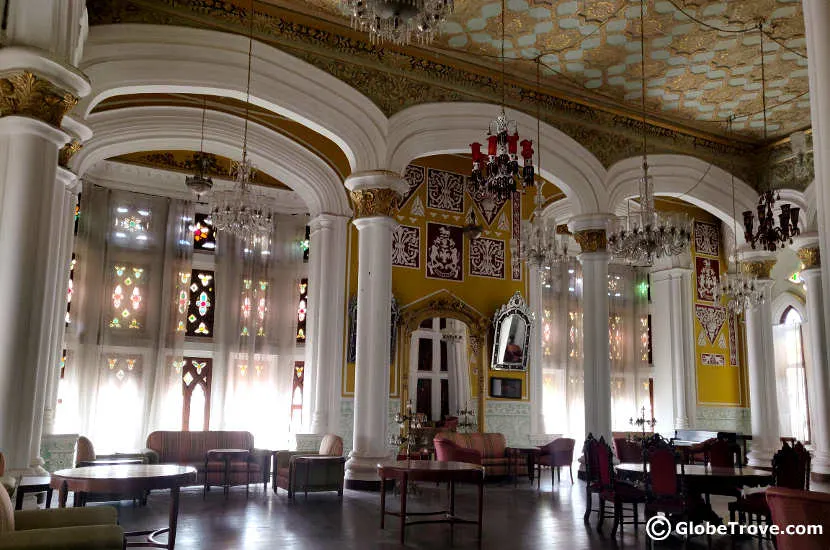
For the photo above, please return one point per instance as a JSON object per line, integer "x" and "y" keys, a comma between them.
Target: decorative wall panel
{"x": 406, "y": 247}
{"x": 487, "y": 258}
{"x": 445, "y": 251}
{"x": 445, "y": 190}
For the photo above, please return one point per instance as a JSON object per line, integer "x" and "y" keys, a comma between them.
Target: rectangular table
{"x": 33, "y": 484}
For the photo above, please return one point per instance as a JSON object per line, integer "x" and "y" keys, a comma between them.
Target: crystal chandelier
{"x": 398, "y": 21}
{"x": 639, "y": 239}
{"x": 200, "y": 183}
{"x": 540, "y": 247}
{"x": 740, "y": 288}
{"x": 242, "y": 211}
{"x": 497, "y": 173}
{"x": 768, "y": 235}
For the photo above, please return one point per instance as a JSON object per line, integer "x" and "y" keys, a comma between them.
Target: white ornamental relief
{"x": 445, "y": 191}
{"x": 487, "y": 258}
{"x": 406, "y": 247}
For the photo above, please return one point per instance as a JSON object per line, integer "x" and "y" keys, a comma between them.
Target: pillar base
{"x": 820, "y": 466}
{"x": 362, "y": 472}
{"x": 760, "y": 458}
{"x": 35, "y": 469}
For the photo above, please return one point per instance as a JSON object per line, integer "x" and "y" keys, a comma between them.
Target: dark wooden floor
{"x": 514, "y": 518}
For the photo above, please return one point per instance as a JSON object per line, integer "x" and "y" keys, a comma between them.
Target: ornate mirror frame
{"x": 447, "y": 305}
{"x": 516, "y": 306}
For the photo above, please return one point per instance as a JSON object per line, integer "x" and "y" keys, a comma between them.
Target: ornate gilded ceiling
{"x": 703, "y": 56}
{"x": 590, "y": 88}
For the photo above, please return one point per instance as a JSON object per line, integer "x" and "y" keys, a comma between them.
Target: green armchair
{"x": 308, "y": 471}
{"x": 93, "y": 528}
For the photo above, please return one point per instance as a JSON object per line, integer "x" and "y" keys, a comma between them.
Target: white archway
{"x": 436, "y": 128}
{"x": 696, "y": 181}
{"x": 786, "y": 300}
{"x": 130, "y": 59}
{"x": 135, "y": 129}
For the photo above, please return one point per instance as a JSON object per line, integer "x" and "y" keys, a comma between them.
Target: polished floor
{"x": 515, "y": 518}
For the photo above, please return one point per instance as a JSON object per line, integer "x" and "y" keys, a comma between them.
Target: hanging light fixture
{"x": 398, "y": 21}
{"x": 497, "y": 173}
{"x": 540, "y": 246}
{"x": 200, "y": 183}
{"x": 768, "y": 235}
{"x": 640, "y": 238}
{"x": 242, "y": 211}
{"x": 740, "y": 288}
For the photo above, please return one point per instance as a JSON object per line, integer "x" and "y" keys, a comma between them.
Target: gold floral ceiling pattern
{"x": 703, "y": 61}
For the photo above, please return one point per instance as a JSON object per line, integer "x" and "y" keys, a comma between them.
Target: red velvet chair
{"x": 722, "y": 453}
{"x": 557, "y": 453}
{"x": 592, "y": 481}
{"x": 618, "y": 492}
{"x": 794, "y": 507}
{"x": 790, "y": 469}
{"x": 628, "y": 450}
{"x": 447, "y": 451}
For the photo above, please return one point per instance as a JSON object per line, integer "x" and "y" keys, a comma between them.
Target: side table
{"x": 226, "y": 455}
{"x": 33, "y": 484}
{"x": 516, "y": 453}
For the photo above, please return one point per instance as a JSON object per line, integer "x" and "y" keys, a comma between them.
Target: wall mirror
{"x": 511, "y": 338}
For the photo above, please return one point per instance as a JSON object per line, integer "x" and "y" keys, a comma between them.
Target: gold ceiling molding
{"x": 24, "y": 93}
{"x": 186, "y": 163}
{"x": 396, "y": 78}
{"x": 375, "y": 202}
{"x": 66, "y": 152}
{"x": 321, "y": 146}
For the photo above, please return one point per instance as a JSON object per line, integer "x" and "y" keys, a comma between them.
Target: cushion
{"x": 331, "y": 445}
{"x": 6, "y": 512}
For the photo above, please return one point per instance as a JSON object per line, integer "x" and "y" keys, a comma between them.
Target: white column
{"x": 589, "y": 232}
{"x": 375, "y": 195}
{"x": 312, "y": 348}
{"x": 673, "y": 349}
{"x": 818, "y": 375}
{"x": 329, "y": 234}
{"x": 65, "y": 215}
{"x": 534, "y": 276}
{"x": 816, "y": 23}
{"x": 42, "y": 42}
{"x": 760, "y": 354}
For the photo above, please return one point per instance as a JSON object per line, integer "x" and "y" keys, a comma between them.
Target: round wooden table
{"x": 530, "y": 456}
{"x": 405, "y": 471}
{"x": 129, "y": 478}
{"x": 226, "y": 455}
{"x": 733, "y": 477}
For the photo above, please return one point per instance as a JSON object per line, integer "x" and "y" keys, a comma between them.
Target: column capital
{"x": 375, "y": 221}
{"x": 24, "y": 93}
{"x": 591, "y": 240}
{"x": 759, "y": 267}
{"x": 376, "y": 192}
{"x": 670, "y": 273}
{"x": 326, "y": 221}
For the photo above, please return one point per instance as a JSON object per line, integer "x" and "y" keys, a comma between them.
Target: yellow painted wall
{"x": 716, "y": 385}
{"x": 482, "y": 293}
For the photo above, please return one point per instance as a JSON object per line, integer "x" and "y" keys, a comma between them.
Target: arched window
{"x": 790, "y": 376}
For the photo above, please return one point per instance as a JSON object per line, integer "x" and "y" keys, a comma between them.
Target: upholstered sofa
{"x": 491, "y": 446}
{"x": 190, "y": 448}
{"x": 325, "y": 472}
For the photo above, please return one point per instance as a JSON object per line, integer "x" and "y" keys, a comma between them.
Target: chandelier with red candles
{"x": 498, "y": 173}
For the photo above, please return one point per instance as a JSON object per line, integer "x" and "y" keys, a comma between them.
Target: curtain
{"x": 628, "y": 345}
{"x": 256, "y": 323}
{"x": 455, "y": 337}
{"x": 562, "y": 370}
{"x": 790, "y": 379}
{"x": 117, "y": 387}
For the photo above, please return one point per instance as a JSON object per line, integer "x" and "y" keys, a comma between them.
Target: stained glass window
{"x": 128, "y": 290}
{"x": 305, "y": 243}
{"x": 645, "y": 339}
{"x": 204, "y": 236}
{"x": 201, "y": 304}
{"x": 302, "y": 310}
{"x": 70, "y": 290}
{"x": 119, "y": 368}
{"x": 615, "y": 337}
{"x": 196, "y": 377}
{"x": 247, "y": 367}
{"x": 297, "y": 391}
{"x": 254, "y": 307}
{"x": 573, "y": 334}
{"x": 131, "y": 225}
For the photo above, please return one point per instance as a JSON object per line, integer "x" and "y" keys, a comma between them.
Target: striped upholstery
{"x": 491, "y": 447}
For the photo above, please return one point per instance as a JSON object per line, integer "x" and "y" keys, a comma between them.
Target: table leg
{"x": 382, "y": 501}
{"x": 404, "y": 485}
{"x": 530, "y": 468}
{"x": 452, "y": 498}
{"x": 62, "y": 494}
{"x": 227, "y": 476}
{"x": 18, "y": 499}
{"x": 174, "y": 517}
{"x": 49, "y": 498}
{"x": 204, "y": 491}
{"x": 480, "y": 505}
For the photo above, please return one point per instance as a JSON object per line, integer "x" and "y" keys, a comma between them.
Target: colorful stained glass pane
{"x": 302, "y": 310}
{"x": 127, "y": 297}
{"x": 201, "y": 304}
{"x": 203, "y": 330}
{"x": 204, "y": 236}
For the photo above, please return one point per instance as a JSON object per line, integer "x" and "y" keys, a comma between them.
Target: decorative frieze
{"x": 23, "y": 93}
{"x": 810, "y": 257}
{"x": 591, "y": 240}
{"x": 375, "y": 202}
